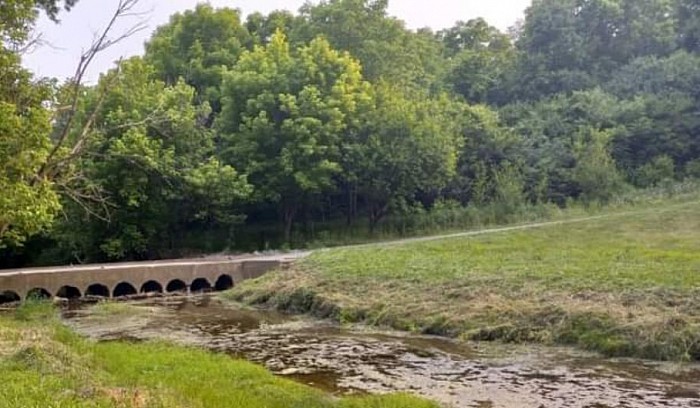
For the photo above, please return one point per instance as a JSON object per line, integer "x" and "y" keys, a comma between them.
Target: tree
{"x": 53, "y": 7}
{"x": 199, "y": 46}
{"x": 677, "y": 73}
{"x": 262, "y": 27}
{"x": 661, "y": 168}
{"x": 549, "y": 131}
{"x": 480, "y": 57}
{"x": 487, "y": 148}
{"x": 595, "y": 173}
{"x": 569, "y": 45}
{"x": 405, "y": 145}
{"x": 284, "y": 115}
{"x": 473, "y": 35}
{"x": 151, "y": 155}
{"x": 653, "y": 125}
{"x": 28, "y": 203}
{"x": 386, "y": 49}
{"x": 689, "y": 24}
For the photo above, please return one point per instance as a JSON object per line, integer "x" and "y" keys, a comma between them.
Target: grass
{"x": 43, "y": 364}
{"x": 624, "y": 285}
{"x": 452, "y": 217}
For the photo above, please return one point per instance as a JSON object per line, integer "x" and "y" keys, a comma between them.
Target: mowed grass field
{"x": 43, "y": 364}
{"x": 627, "y": 284}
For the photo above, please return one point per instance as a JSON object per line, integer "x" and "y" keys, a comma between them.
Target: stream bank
{"x": 358, "y": 360}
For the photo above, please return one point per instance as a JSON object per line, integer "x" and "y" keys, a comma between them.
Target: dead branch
{"x": 87, "y": 196}
{"x": 84, "y": 133}
{"x": 125, "y": 9}
{"x": 34, "y": 41}
{"x": 57, "y": 167}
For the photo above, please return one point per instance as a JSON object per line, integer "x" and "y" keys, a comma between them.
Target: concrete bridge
{"x": 135, "y": 278}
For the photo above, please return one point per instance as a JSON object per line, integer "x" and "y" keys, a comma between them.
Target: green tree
{"x": 472, "y": 35}
{"x": 569, "y": 45}
{"x": 28, "y": 202}
{"x": 384, "y": 46}
{"x": 153, "y": 158}
{"x": 653, "y": 125}
{"x": 53, "y": 7}
{"x": 549, "y": 131}
{"x": 487, "y": 147}
{"x": 480, "y": 57}
{"x": 689, "y": 24}
{"x": 661, "y": 168}
{"x": 285, "y": 113}
{"x": 263, "y": 27}
{"x": 595, "y": 173}
{"x": 406, "y": 144}
{"x": 679, "y": 73}
{"x": 199, "y": 46}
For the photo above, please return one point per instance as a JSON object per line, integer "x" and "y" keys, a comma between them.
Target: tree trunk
{"x": 352, "y": 205}
{"x": 377, "y": 212}
{"x": 289, "y": 213}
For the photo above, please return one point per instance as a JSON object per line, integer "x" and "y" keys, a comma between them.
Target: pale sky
{"x": 77, "y": 28}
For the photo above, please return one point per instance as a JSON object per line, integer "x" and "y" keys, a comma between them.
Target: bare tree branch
{"x": 87, "y": 126}
{"x": 34, "y": 41}
{"x": 86, "y": 195}
{"x": 125, "y": 8}
{"x": 69, "y": 180}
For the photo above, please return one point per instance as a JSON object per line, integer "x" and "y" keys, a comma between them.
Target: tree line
{"x": 338, "y": 115}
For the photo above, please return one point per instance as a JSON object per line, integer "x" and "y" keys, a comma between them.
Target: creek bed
{"x": 361, "y": 360}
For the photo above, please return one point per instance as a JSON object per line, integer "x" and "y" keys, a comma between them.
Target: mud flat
{"x": 360, "y": 360}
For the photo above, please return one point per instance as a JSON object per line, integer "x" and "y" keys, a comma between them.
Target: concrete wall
{"x": 21, "y": 282}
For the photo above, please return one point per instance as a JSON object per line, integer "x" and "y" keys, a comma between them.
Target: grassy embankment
{"x": 43, "y": 364}
{"x": 624, "y": 285}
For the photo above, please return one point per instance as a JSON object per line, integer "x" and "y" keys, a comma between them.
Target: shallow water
{"x": 360, "y": 360}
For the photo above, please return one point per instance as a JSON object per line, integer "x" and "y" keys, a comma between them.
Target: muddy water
{"x": 347, "y": 361}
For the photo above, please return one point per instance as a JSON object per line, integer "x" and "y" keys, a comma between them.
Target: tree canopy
{"x": 254, "y": 132}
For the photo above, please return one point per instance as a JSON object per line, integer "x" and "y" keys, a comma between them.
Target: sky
{"x": 67, "y": 40}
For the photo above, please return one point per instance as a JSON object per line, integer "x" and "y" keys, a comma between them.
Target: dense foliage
{"x": 236, "y": 132}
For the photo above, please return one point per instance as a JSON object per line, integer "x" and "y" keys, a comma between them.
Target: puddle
{"x": 358, "y": 360}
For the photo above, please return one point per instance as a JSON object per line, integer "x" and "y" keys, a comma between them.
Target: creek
{"x": 352, "y": 360}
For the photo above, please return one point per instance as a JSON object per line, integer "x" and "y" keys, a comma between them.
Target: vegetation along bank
{"x": 44, "y": 364}
{"x": 624, "y": 284}
{"x": 336, "y": 123}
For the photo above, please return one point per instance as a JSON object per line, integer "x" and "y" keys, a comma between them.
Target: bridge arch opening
{"x": 152, "y": 287}
{"x": 225, "y": 282}
{"x": 69, "y": 292}
{"x": 124, "y": 289}
{"x": 176, "y": 285}
{"x": 9, "y": 296}
{"x": 97, "y": 290}
{"x": 200, "y": 285}
{"x": 38, "y": 294}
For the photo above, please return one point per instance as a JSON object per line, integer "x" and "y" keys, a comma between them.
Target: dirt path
{"x": 290, "y": 256}
{"x": 521, "y": 226}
